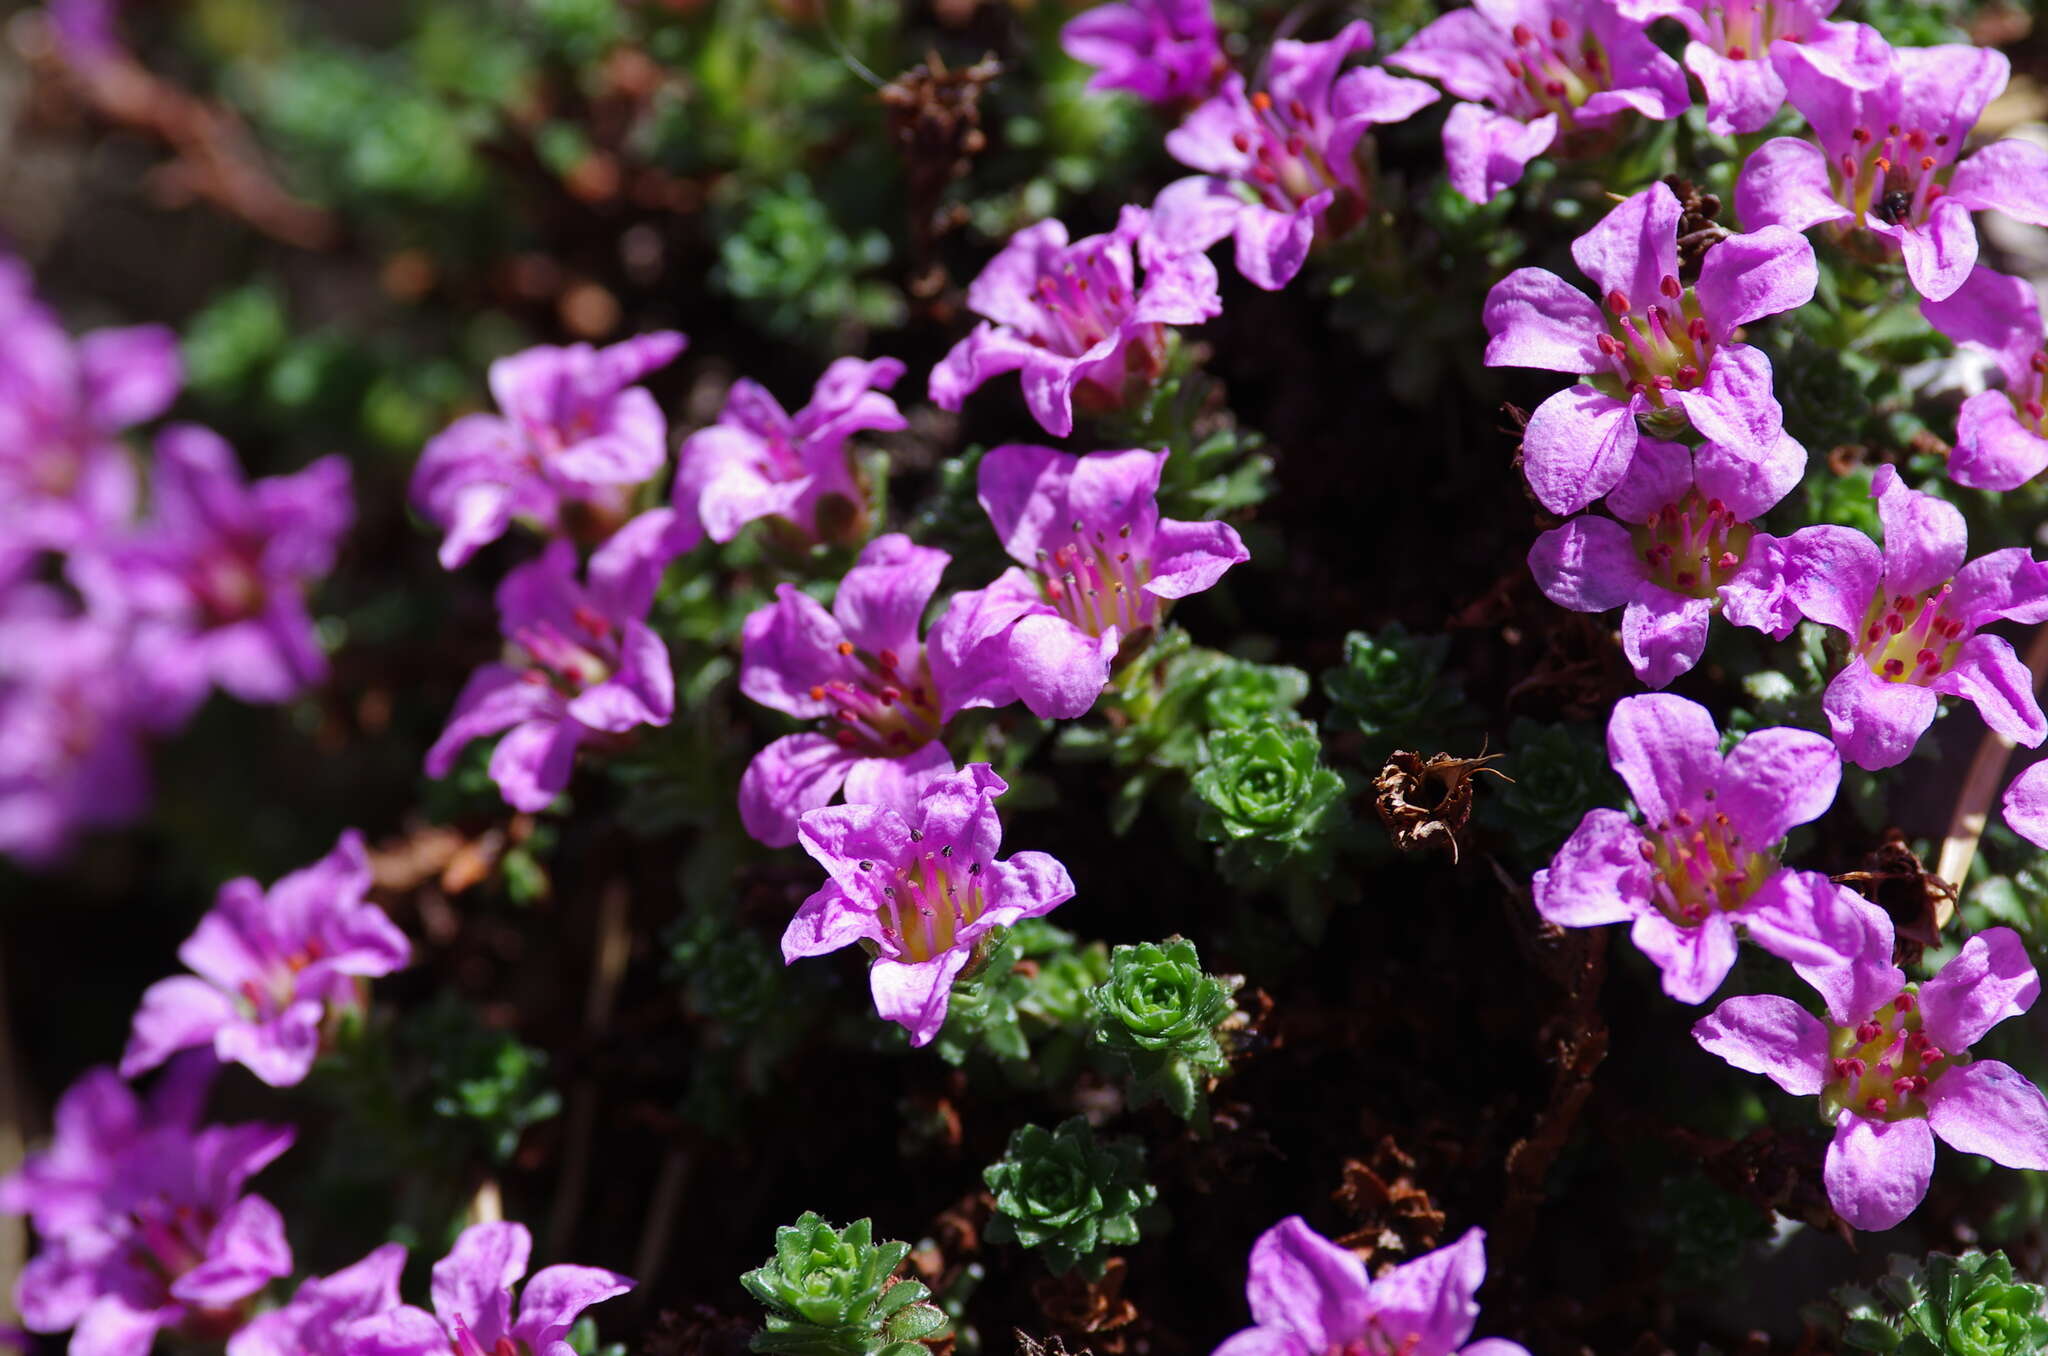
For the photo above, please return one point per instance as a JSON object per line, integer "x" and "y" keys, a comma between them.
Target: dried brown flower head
{"x": 1425, "y": 801}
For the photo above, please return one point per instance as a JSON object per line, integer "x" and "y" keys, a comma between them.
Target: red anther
{"x": 1728, "y": 561}
{"x": 1934, "y": 191}
{"x": 1892, "y": 129}
{"x": 1941, "y": 140}
{"x": 1916, "y": 138}
{"x": 1894, "y": 623}
{"x": 1893, "y": 668}
{"x": 1080, "y": 284}
{"x": 2039, "y": 362}
{"x": 534, "y": 676}
{"x": 1932, "y": 1055}
{"x": 1697, "y": 330}
{"x": 1299, "y": 111}
{"x": 1670, "y": 287}
{"x": 1738, "y": 54}
{"x": 1683, "y": 819}
{"x": 1903, "y": 1086}
{"x": 1554, "y": 88}
{"x": 1262, "y": 101}
{"x": 845, "y": 647}
{"x": 1241, "y": 141}
{"x": 1688, "y": 375}
{"x": 1514, "y": 68}
{"x": 1523, "y": 35}
{"x": 1868, "y": 1032}
{"x": 1879, "y": 1106}
{"x": 845, "y": 717}
{"x": 588, "y": 618}
{"x": 891, "y": 695}
{"x": 1883, "y": 163}
{"x": 1874, "y": 634}
{"x": 1637, "y": 388}
{"x": 1926, "y": 162}
{"x": 1591, "y": 57}
{"x": 1685, "y": 579}
{"x": 1295, "y": 144}
{"x": 2034, "y": 410}
{"x": 1905, "y": 1002}
{"x": 887, "y": 659}
{"x": 1264, "y": 174}
{"x": 1649, "y": 853}
{"x": 1861, "y": 136}
{"x": 1560, "y": 30}
{"x": 1609, "y": 345}
{"x": 1848, "y": 164}
{"x": 817, "y": 692}
{"x": 1929, "y": 659}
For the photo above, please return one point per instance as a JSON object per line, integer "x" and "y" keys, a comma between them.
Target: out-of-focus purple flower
{"x": 1890, "y": 124}
{"x": 1073, "y": 320}
{"x": 1538, "y": 74}
{"x": 314, "y": 1322}
{"x": 1281, "y": 166}
{"x": 1310, "y": 1297}
{"x": 1704, "y": 861}
{"x": 1912, "y": 613}
{"x": 1652, "y": 349}
{"x": 1689, "y": 550}
{"x": 1892, "y": 1068}
{"x": 149, "y": 1229}
{"x": 582, "y": 665}
{"x": 920, "y": 886}
{"x": 1163, "y": 51}
{"x": 72, "y": 719}
{"x": 758, "y": 461}
{"x": 861, "y": 670}
{"x": 65, "y": 479}
{"x": 2025, "y": 805}
{"x": 472, "y": 1291}
{"x": 1730, "y": 50}
{"x": 2002, "y": 435}
{"x": 214, "y": 582}
{"x": 268, "y": 968}
{"x": 1101, "y": 570}
{"x": 87, "y": 31}
{"x": 573, "y": 428}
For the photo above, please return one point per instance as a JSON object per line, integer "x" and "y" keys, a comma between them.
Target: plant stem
{"x": 1973, "y": 804}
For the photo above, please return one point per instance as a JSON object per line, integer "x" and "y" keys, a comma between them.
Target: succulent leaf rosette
{"x": 1160, "y": 1012}
{"x": 829, "y": 1292}
{"x": 1264, "y": 792}
{"x": 1069, "y": 1195}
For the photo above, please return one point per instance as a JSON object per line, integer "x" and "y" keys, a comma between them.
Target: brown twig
{"x": 1973, "y": 804}
{"x": 607, "y": 968}
{"x": 663, "y": 1207}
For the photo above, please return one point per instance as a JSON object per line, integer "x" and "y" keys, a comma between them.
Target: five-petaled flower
{"x": 143, "y": 1222}
{"x": 1890, "y": 124}
{"x": 1729, "y": 50}
{"x": 1280, "y": 167}
{"x": 1651, "y": 349}
{"x": 919, "y": 888}
{"x": 574, "y": 429}
{"x": 1892, "y": 1068}
{"x": 1163, "y": 51}
{"x": 1912, "y": 613}
{"x": 861, "y": 669}
{"x": 1550, "y": 73}
{"x": 1689, "y": 551}
{"x": 1310, "y": 1297}
{"x": 2001, "y": 435}
{"x": 1101, "y": 568}
{"x": 312, "y": 1323}
{"x": 472, "y": 1293}
{"x": 268, "y": 967}
{"x": 1705, "y": 858}
{"x": 1073, "y": 320}
{"x": 759, "y": 461}
{"x": 582, "y": 666}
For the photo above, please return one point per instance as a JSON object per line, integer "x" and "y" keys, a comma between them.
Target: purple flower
{"x": 581, "y": 666}
{"x": 574, "y": 428}
{"x": 1892, "y": 1068}
{"x": 1912, "y": 613}
{"x": 759, "y": 462}
{"x": 919, "y": 886}
{"x": 313, "y": 1323}
{"x": 859, "y": 668}
{"x": 1689, "y": 551}
{"x": 1890, "y": 124}
{"x": 1652, "y": 349}
{"x": 72, "y": 718}
{"x": 1163, "y": 51}
{"x": 2025, "y": 805}
{"x": 1730, "y": 50}
{"x": 1705, "y": 859}
{"x": 65, "y": 479}
{"x": 2002, "y": 435}
{"x": 64, "y": 1188}
{"x": 472, "y": 1290}
{"x": 268, "y": 967}
{"x": 1548, "y": 72}
{"x": 1310, "y": 1297}
{"x": 214, "y": 583}
{"x": 1073, "y": 320}
{"x": 1101, "y": 570}
{"x": 1280, "y": 167}
{"x": 148, "y": 1228}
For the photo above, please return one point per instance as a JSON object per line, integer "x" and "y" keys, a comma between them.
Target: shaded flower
{"x": 1652, "y": 349}
{"x": 160, "y": 1237}
{"x": 1537, "y": 73}
{"x": 1102, "y": 569}
{"x": 1309, "y": 1296}
{"x": 472, "y": 1292}
{"x": 65, "y": 478}
{"x": 1073, "y": 320}
{"x": 214, "y": 582}
{"x": 312, "y": 1324}
{"x": 1281, "y": 165}
{"x": 1688, "y": 551}
{"x": 1704, "y": 862}
{"x": 1163, "y": 51}
{"x": 1912, "y": 613}
{"x": 758, "y": 461}
{"x": 2001, "y": 435}
{"x": 1889, "y": 126}
{"x": 919, "y": 887}
{"x": 861, "y": 670}
{"x": 572, "y": 428}
{"x": 268, "y": 967}
{"x": 581, "y": 665}
{"x": 1892, "y": 1068}
{"x": 1729, "y": 50}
